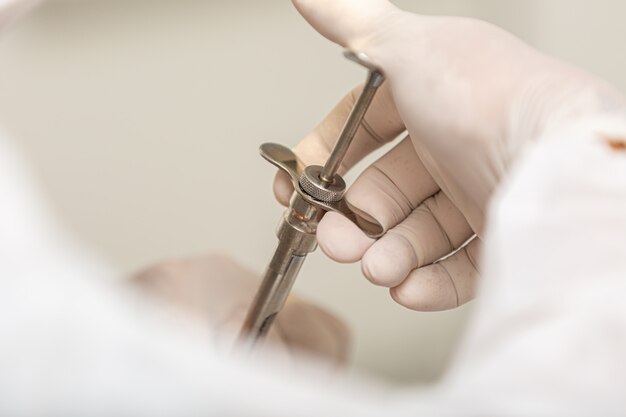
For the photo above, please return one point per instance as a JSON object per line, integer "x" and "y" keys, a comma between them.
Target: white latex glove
{"x": 471, "y": 96}
{"x": 218, "y": 291}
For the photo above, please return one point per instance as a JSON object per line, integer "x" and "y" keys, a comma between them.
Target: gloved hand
{"x": 218, "y": 292}
{"x": 471, "y": 97}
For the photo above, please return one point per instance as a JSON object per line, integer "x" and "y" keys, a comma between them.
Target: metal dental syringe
{"x": 317, "y": 190}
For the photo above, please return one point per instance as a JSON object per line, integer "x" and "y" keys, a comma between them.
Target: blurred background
{"x": 142, "y": 119}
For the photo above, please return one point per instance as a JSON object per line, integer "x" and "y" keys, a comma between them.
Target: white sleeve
{"x": 547, "y": 338}
{"x": 75, "y": 342}
{"x": 549, "y": 332}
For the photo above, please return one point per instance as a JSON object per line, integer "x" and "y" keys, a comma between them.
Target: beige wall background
{"x": 142, "y": 120}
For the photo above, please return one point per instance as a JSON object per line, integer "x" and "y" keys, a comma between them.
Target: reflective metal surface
{"x": 317, "y": 190}
{"x": 374, "y": 80}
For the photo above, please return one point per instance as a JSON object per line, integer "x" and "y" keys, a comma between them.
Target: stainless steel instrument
{"x": 317, "y": 191}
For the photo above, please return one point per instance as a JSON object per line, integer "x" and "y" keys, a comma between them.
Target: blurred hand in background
{"x": 217, "y": 291}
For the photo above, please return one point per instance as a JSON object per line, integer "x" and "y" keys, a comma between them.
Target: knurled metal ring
{"x": 312, "y": 184}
